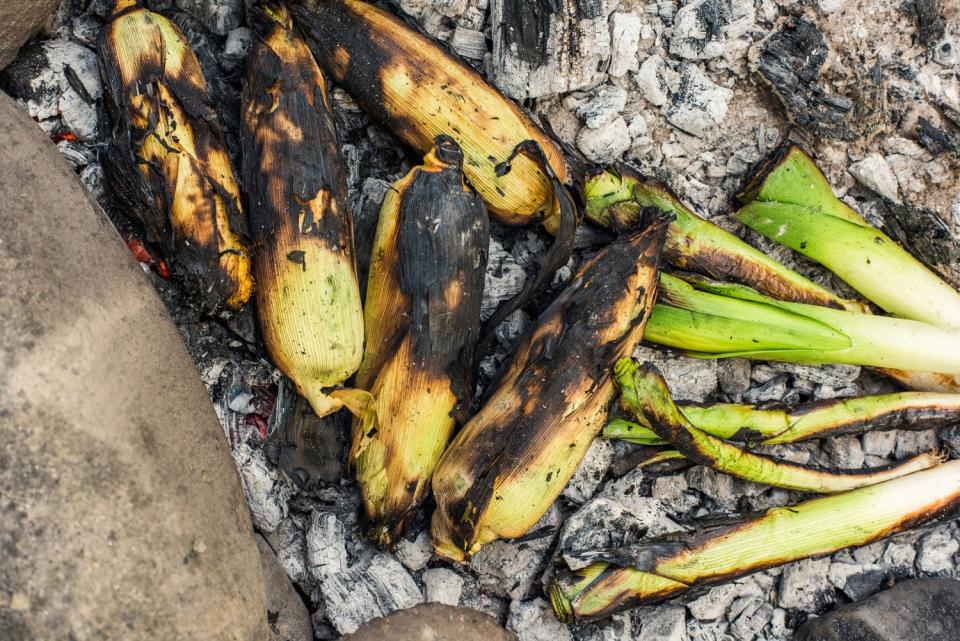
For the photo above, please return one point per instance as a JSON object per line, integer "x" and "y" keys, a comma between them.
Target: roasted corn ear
{"x": 512, "y": 459}
{"x": 418, "y": 90}
{"x": 166, "y": 161}
{"x": 422, "y": 318}
{"x": 308, "y": 300}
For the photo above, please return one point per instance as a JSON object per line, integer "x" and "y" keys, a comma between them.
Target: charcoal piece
{"x": 543, "y": 47}
{"x": 307, "y": 448}
{"x": 937, "y": 141}
{"x": 790, "y": 62}
{"x": 924, "y": 234}
{"x": 929, "y": 21}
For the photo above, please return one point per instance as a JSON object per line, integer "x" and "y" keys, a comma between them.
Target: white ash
{"x": 598, "y": 107}
{"x": 416, "y": 553}
{"x": 937, "y": 553}
{"x": 754, "y": 616}
{"x": 236, "y": 48}
{"x": 469, "y": 43}
{"x": 441, "y": 585}
{"x": 472, "y": 596}
{"x": 656, "y": 81}
{"x": 688, "y": 379}
{"x": 219, "y": 16}
{"x": 326, "y": 545}
{"x": 41, "y": 80}
{"x": 911, "y": 442}
{"x": 605, "y": 144}
{"x": 577, "y": 25}
{"x": 511, "y": 568}
{"x": 504, "y": 279}
{"x": 665, "y": 623}
{"x": 711, "y": 631}
{"x": 625, "y": 32}
{"x": 713, "y": 604}
{"x": 701, "y": 27}
{"x": 590, "y": 473}
{"x": 265, "y": 487}
{"x": 618, "y": 627}
{"x": 700, "y": 105}
{"x": 368, "y": 591}
{"x": 534, "y": 621}
{"x": 806, "y": 585}
{"x": 874, "y": 173}
{"x": 290, "y": 544}
{"x": 733, "y": 377}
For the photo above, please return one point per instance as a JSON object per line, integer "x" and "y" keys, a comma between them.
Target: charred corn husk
{"x": 644, "y": 394}
{"x": 422, "y": 317}
{"x": 720, "y": 320}
{"x": 167, "y": 161}
{"x": 513, "y": 458}
{"x": 609, "y": 581}
{"x": 789, "y": 200}
{"x": 617, "y": 198}
{"x": 418, "y": 90}
{"x": 807, "y": 421}
{"x": 308, "y": 299}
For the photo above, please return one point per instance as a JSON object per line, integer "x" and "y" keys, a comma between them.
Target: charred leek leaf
{"x": 718, "y": 320}
{"x": 653, "y": 571}
{"x": 645, "y": 394}
{"x": 790, "y": 201}
{"x": 422, "y": 318}
{"x": 513, "y": 458}
{"x": 771, "y": 425}
{"x": 166, "y": 161}
{"x": 308, "y": 299}
{"x": 617, "y": 198}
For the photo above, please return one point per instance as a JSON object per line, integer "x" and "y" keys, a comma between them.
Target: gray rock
{"x": 875, "y": 174}
{"x": 805, "y": 585}
{"x": 699, "y": 105}
{"x": 288, "y": 617}
{"x": 19, "y": 20}
{"x": 926, "y": 609}
{"x": 605, "y": 144}
{"x": 433, "y": 621}
{"x": 123, "y": 516}
{"x": 665, "y": 623}
{"x": 219, "y": 16}
{"x": 534, "y": 621}
{"x": 937, "y": 553}
{"x": 442, "y": 585}
{"x": 510, "y": 568}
